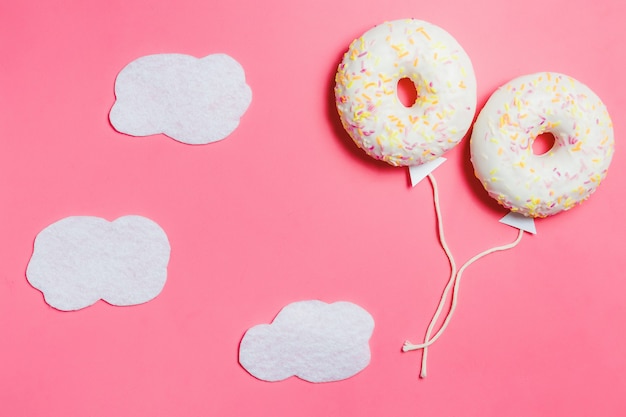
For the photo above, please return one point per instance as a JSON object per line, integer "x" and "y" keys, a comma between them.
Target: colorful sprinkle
{"x": 367, "y": 98}
{"x": 542, "y": 185}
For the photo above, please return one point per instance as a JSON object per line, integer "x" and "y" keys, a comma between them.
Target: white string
{"x": 446, "y": 291}
{"x": 454, "y": 282}
{"x": 409, "y": 346}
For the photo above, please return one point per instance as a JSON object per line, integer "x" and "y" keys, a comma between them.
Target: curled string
{"x": 454, "y": 283}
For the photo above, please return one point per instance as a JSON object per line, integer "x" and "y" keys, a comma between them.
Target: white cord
{"x": 450, "y": 283}
{"x": 454, "y": 282}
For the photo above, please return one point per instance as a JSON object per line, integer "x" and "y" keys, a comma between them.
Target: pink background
{"x": 288, "y": 209}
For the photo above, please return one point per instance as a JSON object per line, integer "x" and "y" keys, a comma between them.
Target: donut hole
{"x": 407, "y": 92}
{"x": 543, "y": 143}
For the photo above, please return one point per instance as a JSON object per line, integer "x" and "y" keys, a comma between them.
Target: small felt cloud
{"x": 313, "y": 340}
{"x": 192, "y": 100}
{"x": 80, "y": 260}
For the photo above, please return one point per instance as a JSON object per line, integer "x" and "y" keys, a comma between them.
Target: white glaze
{"x": 521, "y": 110}
{"x": 367, "y": 100}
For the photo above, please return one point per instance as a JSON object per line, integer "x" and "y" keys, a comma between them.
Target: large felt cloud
{"x": 312, "y": 340}
{"x": 80, "y": 260}
{"x": 192, "y": 100}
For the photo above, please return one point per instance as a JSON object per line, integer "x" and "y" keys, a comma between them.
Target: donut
{"x": 567, "y": 174}
{"x": 366, "y": 92}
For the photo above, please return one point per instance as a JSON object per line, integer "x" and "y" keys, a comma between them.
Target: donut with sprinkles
{"x": 368, "y": 104}
{"x": 568, "y": 173}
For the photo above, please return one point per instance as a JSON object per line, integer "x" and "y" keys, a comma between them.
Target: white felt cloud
{"x": 80, "y": 260}
{"x": 312, "y": 340}
{"x": 192, "y": 100}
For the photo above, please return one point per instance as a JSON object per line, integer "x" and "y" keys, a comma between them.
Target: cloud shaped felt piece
{"x": 313, "y": 340}
{"x": 80, "y": 260}
{"x": 192, "y": 100}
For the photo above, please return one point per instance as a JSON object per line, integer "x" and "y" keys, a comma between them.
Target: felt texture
{"x": 313, "y": 340}
{"x": 192, "y": 100}
{"x": 80, "y": 260}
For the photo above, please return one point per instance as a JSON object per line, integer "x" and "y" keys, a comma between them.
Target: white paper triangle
{"x": 519, "y": 221}
{"x": 419, "y": 172}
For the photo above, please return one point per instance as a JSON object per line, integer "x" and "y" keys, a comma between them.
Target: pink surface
{"x": 288, "y": 209}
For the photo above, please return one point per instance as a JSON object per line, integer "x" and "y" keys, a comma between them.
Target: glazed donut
{"x": 518, "y": 112}
{"x": 368, "y": 103}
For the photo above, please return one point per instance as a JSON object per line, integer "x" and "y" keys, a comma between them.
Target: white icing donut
{"x": 367, "y": 100}
{"x": 518, "y": 112}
